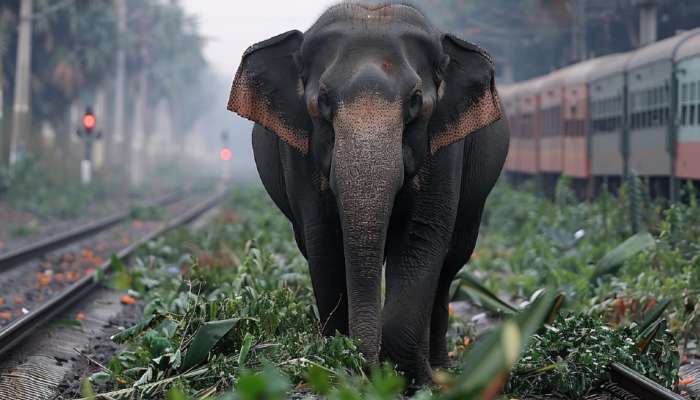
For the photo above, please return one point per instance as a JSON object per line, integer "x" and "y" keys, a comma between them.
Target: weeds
{"x": 231, "y": 306}
{"x": 28, "y": 188}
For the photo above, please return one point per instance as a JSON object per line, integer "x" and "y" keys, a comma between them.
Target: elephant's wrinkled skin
{"x": 379, "y": 138}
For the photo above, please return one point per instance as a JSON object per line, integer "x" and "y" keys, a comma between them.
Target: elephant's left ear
{"x": 467, "y": 97}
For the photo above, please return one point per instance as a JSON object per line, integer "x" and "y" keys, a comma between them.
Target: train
{"x": 604, "y": 119}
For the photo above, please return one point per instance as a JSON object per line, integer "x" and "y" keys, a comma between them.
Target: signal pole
{"x": 21, "y": 119}
{"x": 87, "y": 134}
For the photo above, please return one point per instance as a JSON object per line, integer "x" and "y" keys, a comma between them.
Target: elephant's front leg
{"x": 410, "y": 291}
{"x": 414, "y": 261}
{"x": 324, "y": 252}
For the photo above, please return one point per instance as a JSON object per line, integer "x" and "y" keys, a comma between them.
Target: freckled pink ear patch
{"x": 485, "y": 111}
{"x": 247, "y": 101}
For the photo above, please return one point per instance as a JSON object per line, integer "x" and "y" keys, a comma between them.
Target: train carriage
{"x": 551, "y": 151}
{"x": 607, "y": 115}
{"x": 530, "y": 121}
{"x": 575, "y": 115}
{"x": 649, "y": 71}
{"x": 687, "y": 58}
{"x": 508, "y": 93}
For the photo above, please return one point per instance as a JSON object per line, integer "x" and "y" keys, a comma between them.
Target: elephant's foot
{"x": 439, "y": 357}
{"x": 410, "y": 358}
{"x": 441, "y": 360}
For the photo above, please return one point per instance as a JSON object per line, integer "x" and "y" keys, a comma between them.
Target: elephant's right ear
{"x": 267, "y": 89}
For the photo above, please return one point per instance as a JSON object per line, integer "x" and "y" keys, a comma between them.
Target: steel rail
{"x": 18, "y": 256}
{"x": 639, "y": 385}
{"x": 16, "y": 332}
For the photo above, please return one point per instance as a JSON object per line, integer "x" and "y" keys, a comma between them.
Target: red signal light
{"x": 225, "y": 154}
{"x": 89, "y": 121}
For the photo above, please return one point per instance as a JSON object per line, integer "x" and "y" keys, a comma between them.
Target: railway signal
{"x": 88, "y": 135}
{"x": 225, "y": 155}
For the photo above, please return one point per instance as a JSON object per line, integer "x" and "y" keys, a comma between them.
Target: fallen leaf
{"x": 466, "y": 341}
{"x": 686, "y": 381}
{"x": 2, "y": 301}
{"x": 450, "y": 309}
{"x": 126, "y": 299}
{"x": 6, "y": 315}
{"x": 19, "y": 300}
{"x": 494, "y": 388}
{"x": 44, "y": 279}
{"x": 80, "y": 316}
{"x": 72, "y": 276}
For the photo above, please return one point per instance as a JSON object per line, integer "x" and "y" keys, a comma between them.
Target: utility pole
{"x": 647, "y": 22}
{"x": 578, "y": 31}
{"x": 117, "y": 135}
{"x": 21, "y": 117}
{"x": 4, "y": 143}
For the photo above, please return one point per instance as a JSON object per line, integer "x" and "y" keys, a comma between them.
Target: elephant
{"x": 379, "y": 137}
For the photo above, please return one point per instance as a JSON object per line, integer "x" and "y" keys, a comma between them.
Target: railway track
{"x": 19, "y": 329}
{"x": 18, "y": 256}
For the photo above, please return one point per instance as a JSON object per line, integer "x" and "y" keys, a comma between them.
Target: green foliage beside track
{"x": 229, "y": 310}
{"x": 529, "y": 242}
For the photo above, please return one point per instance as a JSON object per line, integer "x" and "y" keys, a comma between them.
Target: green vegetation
{"x": 229, "y": 311}
{"x": 590, "y": 252}
{"x": 27, "y": 188}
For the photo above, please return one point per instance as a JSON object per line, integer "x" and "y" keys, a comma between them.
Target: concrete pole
{"x": 578, "y": 32}
{"x": 21, "y": 116}
{"x": 138, "y": 133}
{"x": 647, "y": 22}
{"x": 116, "y": 136}
{"x": 4, "y": 142}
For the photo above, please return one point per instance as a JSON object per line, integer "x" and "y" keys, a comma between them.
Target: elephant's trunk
{"x": 366, "y": 173}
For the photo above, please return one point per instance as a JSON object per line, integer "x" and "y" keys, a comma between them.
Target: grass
{"x": 229, "y": 311}
{"x": 29, "y": 188}
{"x": 529, "y": 242}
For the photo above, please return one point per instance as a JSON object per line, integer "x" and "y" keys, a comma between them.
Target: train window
{"x": 684, "y": 115}
{"x": 647, "y": 119}
{"x": 691, "y": 115}
{"x": 684, "y": 92}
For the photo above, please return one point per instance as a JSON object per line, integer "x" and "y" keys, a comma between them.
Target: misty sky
{"x": 232, "y": 25}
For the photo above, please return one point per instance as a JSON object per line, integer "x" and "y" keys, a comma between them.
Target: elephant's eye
{"x": 324, "y": 106}
{"x": 415, "y": 104}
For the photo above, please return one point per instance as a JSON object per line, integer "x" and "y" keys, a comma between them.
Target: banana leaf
{"x": 205, "y": 339}
{"x": 654, "y": 314}
{"x": 488, "y": 363}
{"x": 469, "y": 288}
{"x": 614, "y": 259}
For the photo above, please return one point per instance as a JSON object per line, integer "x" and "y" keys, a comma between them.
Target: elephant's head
{"x": 368, "y": 93}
